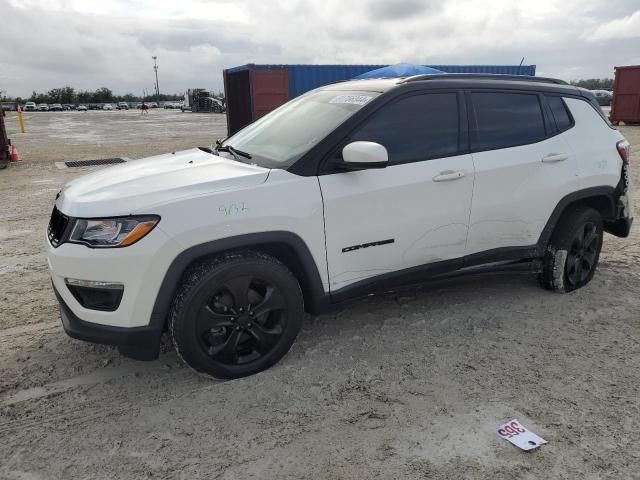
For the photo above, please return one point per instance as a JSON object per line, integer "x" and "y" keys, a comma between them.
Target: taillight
{"x": 623, "y": 149}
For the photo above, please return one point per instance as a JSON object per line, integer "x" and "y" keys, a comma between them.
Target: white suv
{"x": 352, "y": 188}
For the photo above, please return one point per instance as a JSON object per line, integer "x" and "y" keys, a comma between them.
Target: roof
{"x": 451, "y": 80}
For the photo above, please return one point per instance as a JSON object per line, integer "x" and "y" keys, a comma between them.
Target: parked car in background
{"x": 123, "y": 106}
{"x": 43, "y": 107}
{"x": 8, "y": 107}
{"x": 30, "y": 107}
{"x": 56, "y": 107}
{"x": 68, "y": 106}
{"x": 107, "y": 106}
{"x": 152, "y": 105}
{"x": 395, "y": 181}
{"x": 82, "y": 108}
{"x": 603, "y": 97}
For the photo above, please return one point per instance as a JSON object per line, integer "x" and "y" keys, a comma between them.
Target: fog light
{"x": 96, "y": 295}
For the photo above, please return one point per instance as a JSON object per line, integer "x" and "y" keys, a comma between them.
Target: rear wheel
{"x": 573, "y": 253}
{"x": 236, "y": 315}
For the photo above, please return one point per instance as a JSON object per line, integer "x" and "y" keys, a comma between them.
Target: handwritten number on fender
{"x": 232, "y": 209}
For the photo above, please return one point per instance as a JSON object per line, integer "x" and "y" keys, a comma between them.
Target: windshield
{"x": 281, "y": 137}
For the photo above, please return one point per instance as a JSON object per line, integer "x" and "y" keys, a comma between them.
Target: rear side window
{"x": 415, "y": 128}
{"x": 506, "y": 120}
{"x": 560, "y": 113}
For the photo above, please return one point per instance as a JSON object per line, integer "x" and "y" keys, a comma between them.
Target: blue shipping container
{"x": 303, "y": 78}
{"x": 252, "y": 90}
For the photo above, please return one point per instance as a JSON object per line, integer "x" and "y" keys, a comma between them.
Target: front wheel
{"x": 573, "y": 253}
{"x": 236, "y": 315}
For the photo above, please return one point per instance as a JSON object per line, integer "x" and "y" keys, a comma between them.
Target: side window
{"x": 506, "y": 120}
{"x": 415, "y": 128}
{"x": 560, "y": 113}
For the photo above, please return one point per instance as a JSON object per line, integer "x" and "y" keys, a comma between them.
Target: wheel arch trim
{"x": 585, "y": 194}
{"x": 311, "y": 281}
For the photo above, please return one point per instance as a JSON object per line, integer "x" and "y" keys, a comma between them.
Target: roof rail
{"x": 482, "y": 76}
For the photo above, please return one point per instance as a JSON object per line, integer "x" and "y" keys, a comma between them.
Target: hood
{"x": 135, "y": 187}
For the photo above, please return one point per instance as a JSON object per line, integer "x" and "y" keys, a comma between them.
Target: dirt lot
{"x": 408, "y": 385}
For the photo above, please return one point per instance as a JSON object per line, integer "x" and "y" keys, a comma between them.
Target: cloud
{"x": 620, "y": 28}
{"x": 396, "y": 10}
{"x": 52, "y": 43}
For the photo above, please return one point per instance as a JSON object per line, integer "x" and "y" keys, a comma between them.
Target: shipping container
{"x": 625, "y": 106}
{"x": 252, "y": 91}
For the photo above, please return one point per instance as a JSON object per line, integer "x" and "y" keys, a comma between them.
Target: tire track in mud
{"x": 181, "y": 385}
{"x": 10, "y": 333}
{"x": 25, "y": 425}
{"x": 91, "y": 378}
{"x": 43, "y": 420}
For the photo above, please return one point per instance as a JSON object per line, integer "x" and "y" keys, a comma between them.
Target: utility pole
{"x": 155, "y": 69}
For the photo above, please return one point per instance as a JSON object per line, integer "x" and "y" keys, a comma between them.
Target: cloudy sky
{"x": 89, "y": 43}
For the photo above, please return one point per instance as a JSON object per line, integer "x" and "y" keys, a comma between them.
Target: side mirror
{"x": 364, "y": 155}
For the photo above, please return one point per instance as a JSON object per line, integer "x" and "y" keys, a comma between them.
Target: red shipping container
{"x": 625, "y": 106}
{"x": 252, "y": 93}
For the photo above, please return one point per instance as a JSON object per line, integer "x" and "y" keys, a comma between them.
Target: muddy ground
{"x": 407, "y": 385}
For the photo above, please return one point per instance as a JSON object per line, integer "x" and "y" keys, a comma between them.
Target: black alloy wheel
{"x": 236, "y": 314}
{"x": 581, "y": 259}
{"x": 571, "y": 258}
{"x": 242, "y": 321}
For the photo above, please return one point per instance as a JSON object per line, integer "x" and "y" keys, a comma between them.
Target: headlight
{"x": 112, "y": 232}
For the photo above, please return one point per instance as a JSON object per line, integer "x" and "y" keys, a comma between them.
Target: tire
{"x": 236, "y": 315}
{"x": 574, "y": 250}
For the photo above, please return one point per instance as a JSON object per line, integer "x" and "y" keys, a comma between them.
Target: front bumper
{"x": 140, "y": 343}
{"x": 134, "y": 327}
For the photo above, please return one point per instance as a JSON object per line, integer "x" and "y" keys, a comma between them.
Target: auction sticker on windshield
{"x": 352, "y": 99}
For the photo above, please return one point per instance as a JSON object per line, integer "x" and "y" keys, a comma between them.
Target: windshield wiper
{"x": 233, "y": 151}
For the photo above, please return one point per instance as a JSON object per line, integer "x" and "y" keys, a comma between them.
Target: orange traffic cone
{"x": 15, "y": 156}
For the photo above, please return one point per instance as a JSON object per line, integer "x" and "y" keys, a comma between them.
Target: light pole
{"x": 155, "y": 69}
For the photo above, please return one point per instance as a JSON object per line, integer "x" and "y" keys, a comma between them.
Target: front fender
{"x": 306, "y": 268}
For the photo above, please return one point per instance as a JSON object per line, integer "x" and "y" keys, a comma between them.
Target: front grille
{"x": 57, "y": 227}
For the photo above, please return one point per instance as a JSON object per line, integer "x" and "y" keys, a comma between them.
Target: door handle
{"x": 555, "y": 157}
{"x": 448, "y": 175}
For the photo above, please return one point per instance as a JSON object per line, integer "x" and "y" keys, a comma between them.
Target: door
{"x": 523, "y": 169}
{"x": 413, "y": 212}
{"x": 269, "y": 90}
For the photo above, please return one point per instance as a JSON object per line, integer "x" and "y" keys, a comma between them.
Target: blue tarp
{"x": 399, "y": 70}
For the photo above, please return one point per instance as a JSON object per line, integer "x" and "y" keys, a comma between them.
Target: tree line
{"x": 594, "y": 83}
{"x": 101, "y": 95}
{"x": 106, "y": 95}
